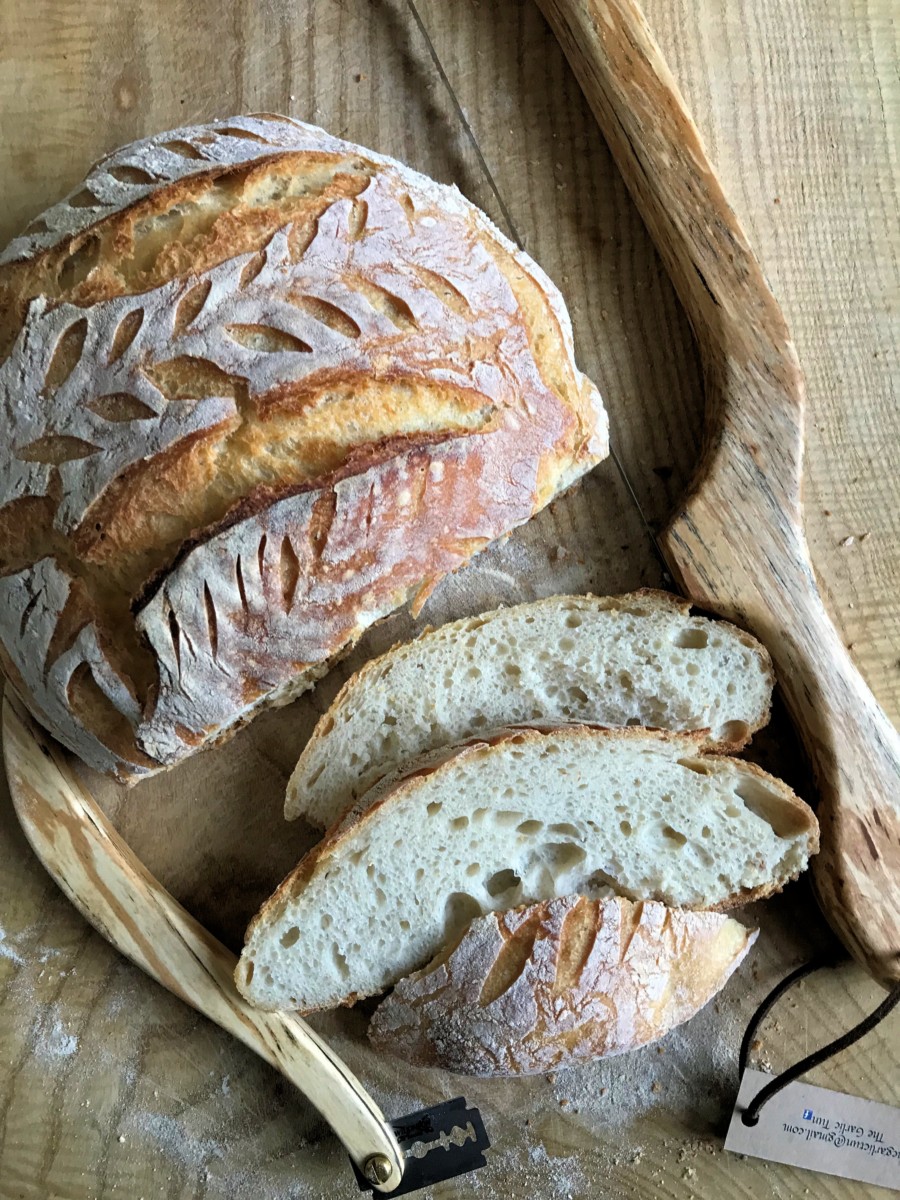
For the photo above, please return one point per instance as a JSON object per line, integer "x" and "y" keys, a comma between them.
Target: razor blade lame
{"x": 438, "y": 1143}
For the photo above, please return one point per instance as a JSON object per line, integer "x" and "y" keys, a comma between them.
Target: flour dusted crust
{"x": 137, "y": 171}
{"x": 259, "y": 387}
{"x": 549, "y": 985}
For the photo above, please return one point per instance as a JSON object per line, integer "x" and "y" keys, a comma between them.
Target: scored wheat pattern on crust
{"x": 396, "y": 287}
{"x": 349, "y": 303}
{"x": 551, "y": 984}
{"x": 31, "y": 601}
{"x": 137, "y": 171}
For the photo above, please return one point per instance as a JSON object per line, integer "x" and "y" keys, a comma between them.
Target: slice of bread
{"x": 557, "y": 983}
{"x": 525, "y": 815}
{"x": 638, "y": 659}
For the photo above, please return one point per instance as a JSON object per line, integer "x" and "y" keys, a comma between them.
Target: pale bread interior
{"x": 532, "y": 815}
{"x": 637, "y": 659}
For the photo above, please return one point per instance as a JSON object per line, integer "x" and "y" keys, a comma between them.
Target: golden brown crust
{"x": 228, "y": 333}
{"x": 553, "y": 984}
{"x": 257, "y": 502}
{"x": 221, "y": 215}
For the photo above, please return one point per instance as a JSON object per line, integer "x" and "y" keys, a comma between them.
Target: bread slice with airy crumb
{"x": 637, "y": 659}
{"x": 549, "y": 985}
{"x": 525, "y": 815}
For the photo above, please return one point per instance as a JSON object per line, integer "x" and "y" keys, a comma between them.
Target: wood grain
{"x": 90, "y": 1049}
{"x": 736, "y": 542}
{"x": 799, "y": 107}
{"x": 117, "y": 894}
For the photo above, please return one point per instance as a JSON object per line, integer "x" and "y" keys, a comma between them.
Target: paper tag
{"x": 819, "y": 1130}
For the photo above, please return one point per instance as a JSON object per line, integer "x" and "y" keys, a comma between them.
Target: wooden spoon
{"x": 118, "y": 895}
{"x": 737, "y": 545}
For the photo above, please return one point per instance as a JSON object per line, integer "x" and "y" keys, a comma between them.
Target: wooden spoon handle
{"x": 737, "y": 545}
{"x": 133, "y": 911}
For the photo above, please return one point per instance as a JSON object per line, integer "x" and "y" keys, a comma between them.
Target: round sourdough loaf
{"x": 260, "y": 387}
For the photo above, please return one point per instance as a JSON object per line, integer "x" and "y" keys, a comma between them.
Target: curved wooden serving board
{"x": 737, "y": 545}
{"x": 110, "y": 886}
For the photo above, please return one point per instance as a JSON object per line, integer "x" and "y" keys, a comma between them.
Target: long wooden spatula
{"x": 737, "y": 545}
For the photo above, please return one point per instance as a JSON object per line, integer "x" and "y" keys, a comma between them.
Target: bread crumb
{"x": 656, "y": 1087}
{"x": 847, "y": 541}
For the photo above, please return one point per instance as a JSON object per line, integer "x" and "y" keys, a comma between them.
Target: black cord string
{"x": 774, "y": 996}
{"x": 750, "y": 1116}
{"x": 464, "y": 121}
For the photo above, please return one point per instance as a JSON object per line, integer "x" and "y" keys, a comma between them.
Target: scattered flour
{"x": 171, "y": 1134}
{"x": 8, "y": 949}
{"x": 540, "y": 1173}
{"x": 115, "y": 1002}
{"x": 226, "y": 1166}
{"x": 51, "y": 1038}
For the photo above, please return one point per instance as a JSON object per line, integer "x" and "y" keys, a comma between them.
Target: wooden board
{"x": 90, "y": 1051}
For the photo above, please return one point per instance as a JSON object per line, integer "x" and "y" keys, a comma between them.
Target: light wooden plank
{"x": 800, "y": 106}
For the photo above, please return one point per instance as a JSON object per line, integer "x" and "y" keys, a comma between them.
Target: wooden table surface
{"x": 111, "y": 1088}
